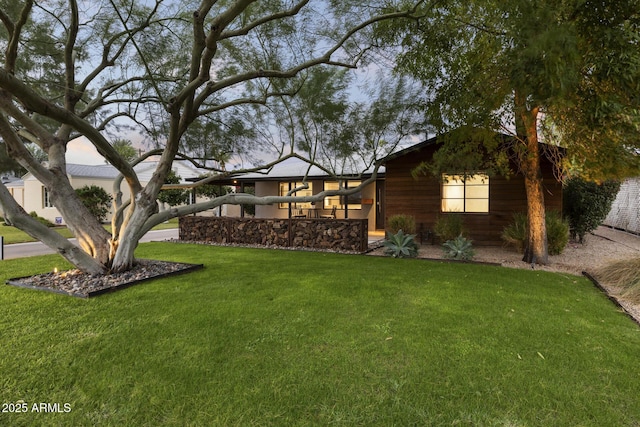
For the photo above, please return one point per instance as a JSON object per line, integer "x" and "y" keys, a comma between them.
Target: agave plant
{"x": 401, "y": 245}
{"x": 458, "y": 248}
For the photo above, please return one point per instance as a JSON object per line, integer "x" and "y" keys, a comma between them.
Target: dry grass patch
{"x": 625, "y": 275}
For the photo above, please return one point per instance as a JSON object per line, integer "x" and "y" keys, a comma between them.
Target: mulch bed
{"x": 83, "y": 285}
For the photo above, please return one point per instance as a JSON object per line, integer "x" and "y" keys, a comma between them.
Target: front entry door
{"x": 379, "y": 205}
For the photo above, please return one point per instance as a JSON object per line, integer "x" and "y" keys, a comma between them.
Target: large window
{"x": 354, "y": 201}
{"x": 285, "y": 187}
{"x": 469, "y": 194}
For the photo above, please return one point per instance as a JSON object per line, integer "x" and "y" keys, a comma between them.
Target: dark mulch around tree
{"x": 83, "y": 285}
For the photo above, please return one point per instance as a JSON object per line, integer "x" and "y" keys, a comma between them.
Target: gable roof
{"x": 92, "y": 171}
{"x": 12, "y": 181}
{"x": 412, "y": 148}
{"x": 502, "y": 137}
{"x": 144, "y": 170}
{"x": 293, "y": 169}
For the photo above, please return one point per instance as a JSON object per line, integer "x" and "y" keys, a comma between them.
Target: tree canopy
{"x": 576, "y": 62}
{"x": 566, "y": 73}
{"x": 168, "y": 71}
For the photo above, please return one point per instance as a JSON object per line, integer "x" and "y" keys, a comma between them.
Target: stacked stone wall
{"x": 320, "y": 233}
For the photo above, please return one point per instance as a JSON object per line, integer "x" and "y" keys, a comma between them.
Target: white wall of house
{"x": 17, "y": 192}
{"x": 271, "y": 188}
{"x": 34, "y": 195}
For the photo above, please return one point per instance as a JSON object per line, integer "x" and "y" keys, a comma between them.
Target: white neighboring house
{"x": 15, "y": 186}
{"x": 34, "y": 197}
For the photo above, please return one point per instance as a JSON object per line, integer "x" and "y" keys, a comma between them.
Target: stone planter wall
{"x": 317, "y": 233}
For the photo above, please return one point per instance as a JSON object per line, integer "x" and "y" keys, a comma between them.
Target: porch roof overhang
{"x": 291, "y": 170}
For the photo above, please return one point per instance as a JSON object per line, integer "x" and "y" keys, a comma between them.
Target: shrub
{"x": 557, "y": 232}
{"x": 96, "y": 199}
{"x": 41, "y": 220}
{"x": 586, "y": 204}
{"x": 459, "y": 248}
{"x": 174, "y": 196}
{"x": 448, "y": 227}
{"x": 516, "y": 233}
{"x": 406, "y": 223}
{"x": 401, "y": 245}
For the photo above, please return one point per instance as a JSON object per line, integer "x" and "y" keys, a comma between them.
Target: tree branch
{"x": 249, "y": 199}
{"x": 71, "y": 95}
{"x": 17, "y": 216}
{"x": 274, "y": 17}
{"x": 34, "y": 102}
{"x": 213, "y": 87}
{"x": 14, "y": 35}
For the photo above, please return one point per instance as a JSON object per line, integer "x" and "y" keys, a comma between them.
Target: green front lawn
{"x": 280, "y": 338}
{"x": 13, "y": 235}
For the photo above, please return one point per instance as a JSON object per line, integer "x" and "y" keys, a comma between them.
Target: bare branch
{"x": 133, "y": 41}
{"x": 258, "y": 22}
{"x": 34, "y": 102}
{"x": 213, "y": 87}
{"x": 71, "y": 95}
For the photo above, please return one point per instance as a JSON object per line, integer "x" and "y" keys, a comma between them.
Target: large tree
{"x": 566, "y": 73}
{"x": 76, "y": 68}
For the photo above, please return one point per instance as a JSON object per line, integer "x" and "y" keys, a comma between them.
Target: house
{"x": 34, "y": 197}
{"x": 290, "y": 173}
{"x": 15, "y": 186}
{"x": 487, "y": 203}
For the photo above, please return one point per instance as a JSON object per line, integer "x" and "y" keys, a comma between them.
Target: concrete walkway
{"x": 629, "y": 240}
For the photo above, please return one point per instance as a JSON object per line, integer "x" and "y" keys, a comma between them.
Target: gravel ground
{"x": 74, "y": 282}
{"x": 597, "y": 251}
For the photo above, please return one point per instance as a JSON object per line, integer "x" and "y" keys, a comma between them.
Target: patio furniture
{"x": 332, "y": 215}
{"x": 298, "y": 214}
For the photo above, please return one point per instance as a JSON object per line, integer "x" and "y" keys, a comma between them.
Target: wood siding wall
{"x": 421, "y": 197}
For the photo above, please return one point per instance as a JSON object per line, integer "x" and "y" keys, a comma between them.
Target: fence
{"x": 317, "y": 233}
{"x": 625, "y": 210}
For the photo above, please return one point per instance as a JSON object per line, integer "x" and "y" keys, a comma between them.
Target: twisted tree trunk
{"x": 536, "y": 248}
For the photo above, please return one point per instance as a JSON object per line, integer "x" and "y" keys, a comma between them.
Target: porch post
{"x": 346, "y": 200}
{"x": 242, "y": 206}
{"x": 289, "y": 202}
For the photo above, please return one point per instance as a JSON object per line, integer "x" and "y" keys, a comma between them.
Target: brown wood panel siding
{"x": 420, "y": 197}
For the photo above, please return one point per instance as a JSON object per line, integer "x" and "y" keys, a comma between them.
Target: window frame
{"x": 339, "y": 204}
{"x": 466, "y": 188}
{"x": 291, "y": 185}
{"x": 46, "y": 198}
